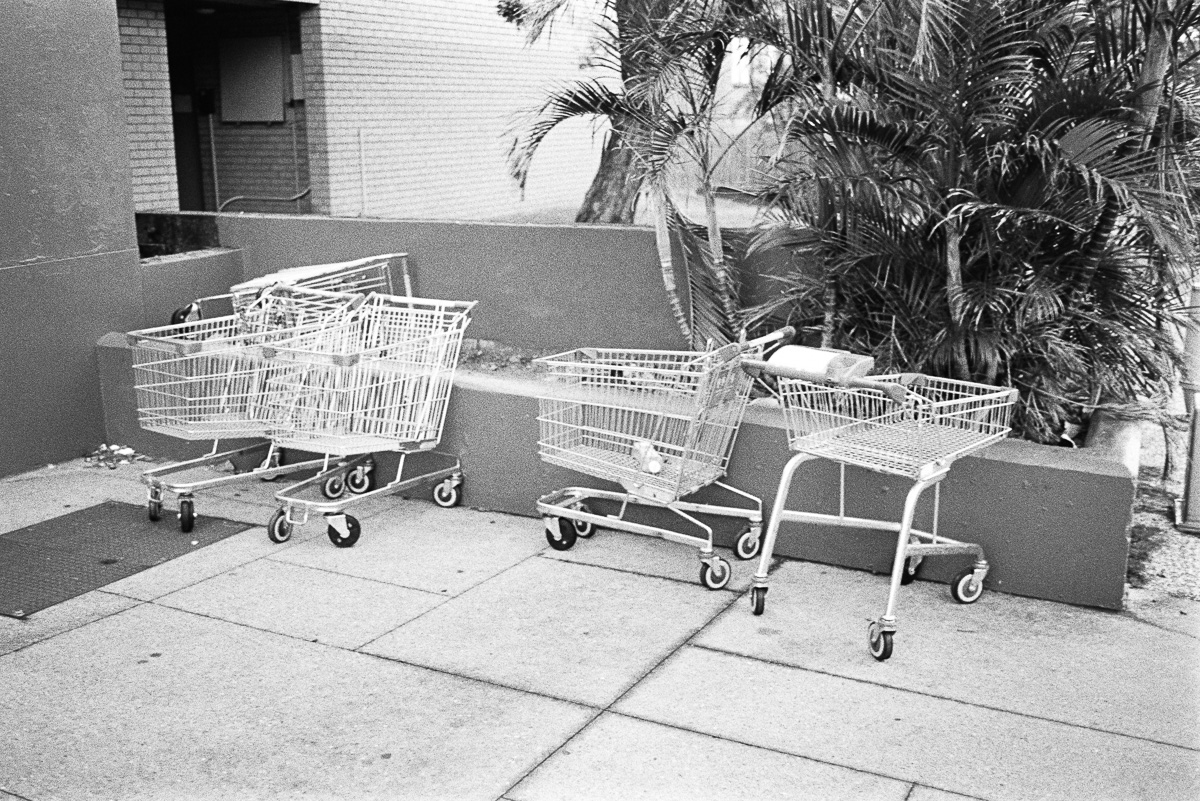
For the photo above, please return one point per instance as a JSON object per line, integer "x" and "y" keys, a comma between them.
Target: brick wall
{"x": 147, "y": 93}
{"x": 409, "y": 103}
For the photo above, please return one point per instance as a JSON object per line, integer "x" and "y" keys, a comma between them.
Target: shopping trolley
{"x": 661, "y": 424}
{"x": 909, "y": 425}
{"x": 204, "y": 380}
{"x": 360, "y": 276}
{"x": 377, "y": 382}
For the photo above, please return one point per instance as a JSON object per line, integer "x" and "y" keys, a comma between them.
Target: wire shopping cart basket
{"x": 361, "y": 276}
{"x": 661, "y": 424}
{"x": 908, "y": 425}
{"x": 377, "y": 382}
{"x": 205, "y": 380}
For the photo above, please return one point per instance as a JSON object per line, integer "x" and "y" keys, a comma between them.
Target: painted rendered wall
{"x": 540, "y": 287}
{"x": 68, "y": 252}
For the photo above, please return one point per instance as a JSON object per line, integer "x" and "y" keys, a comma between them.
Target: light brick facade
{"x": 410, "y": 104}
{"x": 147, "y": 91}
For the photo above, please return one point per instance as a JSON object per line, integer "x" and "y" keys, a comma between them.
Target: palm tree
{"x": 954, "y": 164}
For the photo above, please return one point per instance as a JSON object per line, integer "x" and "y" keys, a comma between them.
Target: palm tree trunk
{"x": 612, "y": 196}
{"x": 662, "y": 240}
{"x": 954, "y": 298}
{"x": 716, "y": 248}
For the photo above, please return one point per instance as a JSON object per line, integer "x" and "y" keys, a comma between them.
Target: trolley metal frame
{"x": 379, "y": 381}
{"x": 612, "y": 412}
{"x": 908, "y": 425}
{"x": 203, "y": 380}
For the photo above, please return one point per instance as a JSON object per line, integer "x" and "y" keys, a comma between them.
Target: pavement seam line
{"x": 687, "y": 582}
{"x": 332, "y": 572}
{"x": 137, "y": 602}
{"x": 925, "y": 694}
{"x": 794, "y": 755}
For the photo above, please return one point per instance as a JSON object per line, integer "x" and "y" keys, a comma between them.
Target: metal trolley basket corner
{"x": 661, "y": 424}
{"x": 377, "y": 381}
{"x": 909, "y": 425}
{"x": 205, "y": 380}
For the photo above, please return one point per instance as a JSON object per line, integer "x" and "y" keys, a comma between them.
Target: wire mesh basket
{"x": 660, "y": 423}
{"x": 940, "y": 420}
{"x": 205, "y": 380}
{"x": 361, "y": 276}
{"x": 380, "y": 380}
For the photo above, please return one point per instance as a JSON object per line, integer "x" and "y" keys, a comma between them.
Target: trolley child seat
{"x": 661, "y": 424}
{"x": 909, "y": 425}
{"x": 378, "y": 381}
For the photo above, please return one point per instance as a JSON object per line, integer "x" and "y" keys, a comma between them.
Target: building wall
{"x": 147, "y": 95}
{"x": 68, "y": 252}
{"x": 410, "y": 104}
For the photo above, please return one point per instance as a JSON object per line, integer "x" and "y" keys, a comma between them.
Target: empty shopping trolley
{"x": 377, "y": 382}
{"x": 662, "y": 424}
{"x": 204, "y": 380}
{"x": 909, "y": 425}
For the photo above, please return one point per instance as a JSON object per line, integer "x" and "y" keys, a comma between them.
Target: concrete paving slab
{"x": 446, "y": 551}
{"x": 1065, "y": 663}
{"x": 33, "y": 497}
{"x": 155, "y": 703}
{"x": 570, "y": 631}
{"x": 623, "y": 759}
{"x": 651, "y": 556}
{"x": 335, "y": 609}
{"x": 54, "y": 620}
{"x": 1168, "y": 612}
{"x": 945, "y": 745}
{"x": 920, "y": 793}
{"x": 199, "y": 565}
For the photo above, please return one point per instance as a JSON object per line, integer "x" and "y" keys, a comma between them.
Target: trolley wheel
{"x": 758, "y": 599}
{"x": 879, "y": 642}
{"x": 154, "y": 510}
{"x": 334, "y": 487}
{"x": 447, "y": 494}
{"x": 361, "y": 479}
{"x": 279, "y": 529}
{"x": 187, "y": 515}
{"x": 560, "y": 533}
{"x": 909, "y": 574}
{"x": 270, "y": 463}
{"x": 583, "y": 528}
{"x": 353, "y": 530}
{"x": 965, "y": 589}
{"x": 715, "y": 574}
{"x": 748, "y": 544}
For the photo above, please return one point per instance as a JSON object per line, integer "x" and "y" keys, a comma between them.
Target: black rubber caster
{"x": 353, "y": 530}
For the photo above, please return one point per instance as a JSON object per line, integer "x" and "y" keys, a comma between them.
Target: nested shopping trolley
{"x": 377, "y": 382}
{"x": 661, "y": 424}
{"x": 206, "y": 379}
{"x": 908, "y": 425}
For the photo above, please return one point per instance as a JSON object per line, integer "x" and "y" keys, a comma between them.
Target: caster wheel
{"x": 583, "y": 528}
{"x": 154, "y": 510}
{"x": 909, "y": 574}
{"x": 279, "y": 530}
{"x": 187, "y": 515}
{"x": 715, "y": 575}
{"x": 447, "y": 494}
{"x": 965, "y": 589}
{"x": 334, "y": 487}
{"x": 748, "y": 544}
{"x": 758, "y": 599}
{"x": 560, "y": 533}
{"x": 353, "y": 530}
{"x": 270, "y": 463}
{"x": 879, "y": 642}
{"x": 361, "y": 479}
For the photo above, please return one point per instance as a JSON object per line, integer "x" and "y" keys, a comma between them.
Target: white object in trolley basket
{"x": 909, "y": 425}
{"x": 660, "y": 423}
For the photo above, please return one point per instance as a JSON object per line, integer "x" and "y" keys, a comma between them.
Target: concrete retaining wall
{"x": 1054, "y": 522}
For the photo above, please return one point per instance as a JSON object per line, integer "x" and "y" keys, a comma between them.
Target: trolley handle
{"x": 783, "y": 336}
{"x": 896, "y": 392}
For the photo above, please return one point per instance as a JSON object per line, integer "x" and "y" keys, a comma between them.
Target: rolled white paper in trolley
{"x": 828, "y": 366}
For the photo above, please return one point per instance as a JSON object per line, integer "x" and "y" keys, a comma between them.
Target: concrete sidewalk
{"x": 452, "y": 654}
